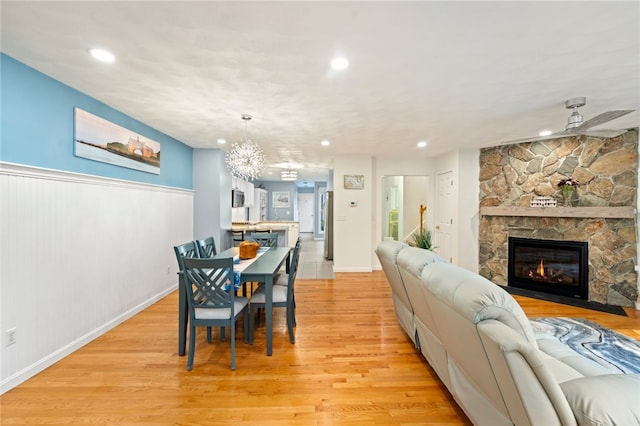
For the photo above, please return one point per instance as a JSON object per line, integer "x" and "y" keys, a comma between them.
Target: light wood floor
{"x": 351, "y": 364}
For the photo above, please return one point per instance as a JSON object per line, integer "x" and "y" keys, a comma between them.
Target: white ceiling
{"x": 458, "y": 74}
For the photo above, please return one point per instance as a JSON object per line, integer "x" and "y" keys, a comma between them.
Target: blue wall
{"x": 36, "y": 128}
{"x": 280, "y": 213}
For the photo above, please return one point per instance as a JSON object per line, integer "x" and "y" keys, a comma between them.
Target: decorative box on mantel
{"x": 543, "y": 202}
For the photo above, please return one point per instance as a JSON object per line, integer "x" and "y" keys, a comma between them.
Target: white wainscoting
{"x": 80, "y": 254}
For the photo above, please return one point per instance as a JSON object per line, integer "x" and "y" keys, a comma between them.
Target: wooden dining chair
{"x": 283, "y": 279}
{"x": 282, "y": 297}
{"x": 265, "y": 239}
{"x": 212, "y": 299}
{"x": 206, "y": 247}
{"x": 237, "y": 237}
{"x": 186, "y": 250}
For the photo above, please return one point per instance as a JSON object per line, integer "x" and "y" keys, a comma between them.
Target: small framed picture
{"x": 280, "y": 200}
{"x": 353, "y": 181}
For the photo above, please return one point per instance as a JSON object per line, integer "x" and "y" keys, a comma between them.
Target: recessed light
{"x": 102, "y": 55}
{"x": 325, "y": 143}
{"x": 339, "y": 64}
{"x": 221, "y": 141}
{"x": 422, "y": 144}
{"x": 545, "y": 133}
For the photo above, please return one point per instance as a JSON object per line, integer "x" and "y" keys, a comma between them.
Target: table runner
{"x": 240, "y": 265}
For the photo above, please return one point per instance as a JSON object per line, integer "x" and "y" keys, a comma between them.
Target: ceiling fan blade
{"x": 601, "y": 119}
{"x": 604, "y": 133}
{"x": 539, "y": 138}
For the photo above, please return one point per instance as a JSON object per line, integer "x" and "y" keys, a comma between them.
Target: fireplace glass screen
{"x": 556, "y": 267}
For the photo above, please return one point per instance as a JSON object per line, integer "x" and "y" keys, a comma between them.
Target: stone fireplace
{"x": 604, "y": 218}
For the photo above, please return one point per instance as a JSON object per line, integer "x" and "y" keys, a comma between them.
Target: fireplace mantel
{"x": 625, "y": 212}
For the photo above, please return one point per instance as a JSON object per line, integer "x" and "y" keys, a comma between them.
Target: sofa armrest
{"x": 531, "y": 393}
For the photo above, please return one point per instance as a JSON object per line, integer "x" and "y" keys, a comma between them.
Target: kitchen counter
{"x": 288, "y": 231}
{"x": 261, "y": 226}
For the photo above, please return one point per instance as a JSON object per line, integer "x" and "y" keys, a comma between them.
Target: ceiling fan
{"x": 576, "y": 126}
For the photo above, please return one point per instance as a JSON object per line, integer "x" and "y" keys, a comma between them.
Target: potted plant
{"x": 422, "y": 239}
{"x": 567, "y": 186}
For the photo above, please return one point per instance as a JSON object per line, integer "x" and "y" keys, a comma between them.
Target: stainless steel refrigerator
{"x": 328, "y": 227}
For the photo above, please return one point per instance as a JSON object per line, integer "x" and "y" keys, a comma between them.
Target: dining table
{"x": 263, "y": 269}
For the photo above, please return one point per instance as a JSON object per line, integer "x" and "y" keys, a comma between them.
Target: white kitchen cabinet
{"x": 248, "y": 194}
{"x": 258, "y": 211}
{"x": 246, "y": 187}
{"x": 294, "y": 232}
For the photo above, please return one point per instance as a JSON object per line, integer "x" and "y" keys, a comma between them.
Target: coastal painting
{"x": 101, "y": 140}
{"x": 280, "y": 200}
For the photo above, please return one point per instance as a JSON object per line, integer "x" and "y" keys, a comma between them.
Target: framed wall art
{"x": 100, "y": 140}
{"x": 353, "y": 181}
{"x": 280, "y": 200}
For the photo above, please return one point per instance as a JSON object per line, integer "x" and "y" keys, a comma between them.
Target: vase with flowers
{"x": 567, "y": 186}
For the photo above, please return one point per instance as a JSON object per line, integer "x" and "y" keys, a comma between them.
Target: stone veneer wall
{"x": 606, "y": 170}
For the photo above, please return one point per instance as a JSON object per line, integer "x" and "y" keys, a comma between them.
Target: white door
{"x": 444, "y": 216}
{"x": 305, "y": 211}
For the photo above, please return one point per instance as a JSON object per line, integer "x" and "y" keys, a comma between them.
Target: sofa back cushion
{"x": 387, "y": 252}
{"x": 458, "y": 300}
{"x": 476, "y": 298}
{"x": 411, "y": 262}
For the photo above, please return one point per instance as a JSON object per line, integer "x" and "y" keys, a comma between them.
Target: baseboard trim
{"x": 46, "y": 362}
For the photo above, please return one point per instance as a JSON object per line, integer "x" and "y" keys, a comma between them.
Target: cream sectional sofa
{"x": 482, "y": 346}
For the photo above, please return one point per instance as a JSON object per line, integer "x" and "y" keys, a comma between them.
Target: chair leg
{"x": 233, "y": 347}
{"x": 222, "y": 335}
{"x": 208, "y": 334}
{"x": 246, "y": 325}
{"x": 293, "y": 309}
{"x": 192, "y": 348}
{"x": 290, "y": 323}
{"x": 259, "y": 314}
{"x": 251, "y": 325}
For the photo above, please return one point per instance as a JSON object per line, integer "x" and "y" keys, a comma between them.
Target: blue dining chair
{"x": 211, "y": 295}
{"x": 282, "y": 297}
{"x": 265, "y": 239}
{"x": 207, "y": 247}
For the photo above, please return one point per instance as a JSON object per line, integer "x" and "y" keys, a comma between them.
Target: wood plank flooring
{"x": 351, "y": 365}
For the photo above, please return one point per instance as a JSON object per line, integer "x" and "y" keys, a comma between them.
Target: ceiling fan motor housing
{"x": 575, "y": 119}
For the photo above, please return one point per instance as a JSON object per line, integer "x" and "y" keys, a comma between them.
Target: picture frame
{"x": 280, "y": 200}
{"x": 353, "y": 181}
{"x": 100, "y": 140}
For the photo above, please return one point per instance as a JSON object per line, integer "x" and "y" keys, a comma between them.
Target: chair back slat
{"x": 265, "y": 239}
{"x": 207, "y": 247}
{"x": 210, "y": 283}
{"x": 186, "y": 250}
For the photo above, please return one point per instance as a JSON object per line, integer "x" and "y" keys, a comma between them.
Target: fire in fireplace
{"x": 549, "y": 266}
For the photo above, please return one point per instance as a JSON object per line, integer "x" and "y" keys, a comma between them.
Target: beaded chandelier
{"x": 245, "y": 160}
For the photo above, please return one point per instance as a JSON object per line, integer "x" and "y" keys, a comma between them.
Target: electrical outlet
{"x": 11, "y": 336}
